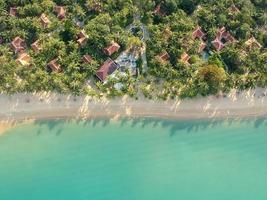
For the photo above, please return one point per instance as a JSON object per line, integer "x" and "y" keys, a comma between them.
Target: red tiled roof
{"x": 13, "y": 11}
{"x": 108, "y": 68}
{"x": 82, "y": 41}
{"x": 23, "y": 59}
{"x": 217, "y": 44}
{"x": 164, "y": 56}
{"x": 159, "y": 11}
{"x": 35, "y": 46}
{"x": 54, "y": 66}
{"x": 82, "y": 34}
{"x": 44, "y": 20}
{"x": 234, "y": 9}
{"x": 198, "y": 33}
{"x": 185, "y": 58}
{"x": 18, "y": 44}
{"x": 82, "y": 38}
{"x": 222, "y": 34}
{"x": 87, "y": 58}
{"x": 114, "y": 47}
{"x": 61, "y": 12}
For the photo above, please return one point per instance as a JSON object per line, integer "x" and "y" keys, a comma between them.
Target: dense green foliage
{"x": 170, "y": 30}
{"x": 58, "y": 41}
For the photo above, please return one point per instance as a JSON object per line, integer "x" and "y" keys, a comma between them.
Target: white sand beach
{"x": 24, "y": 107}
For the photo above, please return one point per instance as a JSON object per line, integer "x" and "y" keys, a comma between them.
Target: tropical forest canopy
{"x": 193, "y": 47}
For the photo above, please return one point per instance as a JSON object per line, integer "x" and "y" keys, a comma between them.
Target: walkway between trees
{"x": 137, "y": 23}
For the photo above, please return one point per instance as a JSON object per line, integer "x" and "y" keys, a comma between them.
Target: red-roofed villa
{"x": 198, "y": 33}
{"x": 61, "y": 12}
{"x": 54, "y": 65}
{"x": 163, "y": 56}
{"x": 87, "y": 58}
{"x": 108, "y": 68}
{"x": 185, "y": 58}
{"x": 18, "y": 44}
{"x": 13, "y": 11}
{"x": 82, "y": 38}
{"x": 114, "y": 47}
{"x": 36, "y": 46}
{"x": 158, "y": 11}
{"x": 23, "y": 59}
{"x": 233, "y": 9}
{"x": 218, "y": 45}
{"x": 44, "y": 20}
{"x": 223, "y": 38}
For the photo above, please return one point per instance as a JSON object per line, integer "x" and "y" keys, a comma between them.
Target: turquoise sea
{"x": 135, "y": 159}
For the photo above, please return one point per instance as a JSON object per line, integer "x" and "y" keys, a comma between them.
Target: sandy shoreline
{"x": 24, "y": 107}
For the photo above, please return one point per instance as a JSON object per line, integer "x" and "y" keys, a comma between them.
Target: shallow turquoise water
{"x": 138, "y": 159}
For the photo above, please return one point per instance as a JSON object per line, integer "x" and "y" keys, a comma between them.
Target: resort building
{"x": 108, "y": 68}
{"x": 54, "y": 65}
{"x": 13, "y": 11}
{"x": 23, "y": 59}
{"x": 87, "y": 58}
{"x": 44, "y": 21}
{"x": 18, "y": 44}
{"x": 252, "y": 43}
{"x": 159, "y": 11}
{"x": 163, "y": 56}
{"x": 198, "y": 33}
{"x": 223, "y": 38}
{"x": 36, "y": 46}
{"x": 111, "y": 49}
{"x": 233, "y": 9}
{"x": 60, "y": 11}
{"x": 185, "y": 58}
{"x": 218, "y": 45}
{"x": 82, "y": 38}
